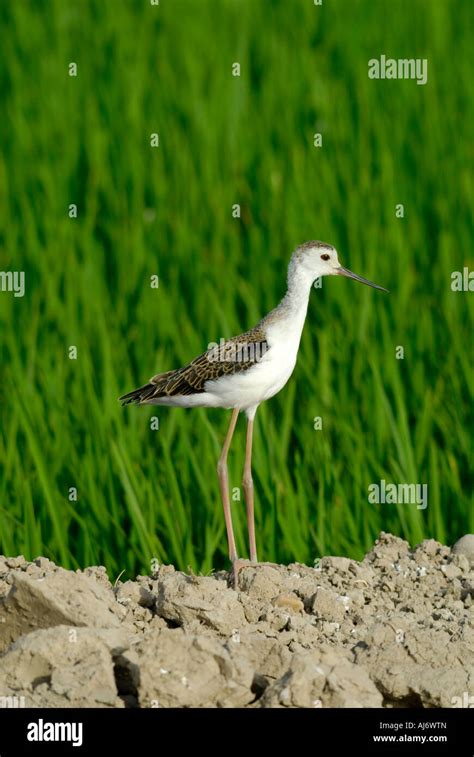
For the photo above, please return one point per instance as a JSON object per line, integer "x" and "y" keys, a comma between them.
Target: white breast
{"x": 268, "y": 376}
{"x": 248, "y": 388}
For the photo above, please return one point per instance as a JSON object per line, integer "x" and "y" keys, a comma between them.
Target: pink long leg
{"x": 249, "y": 492}
{"x": 224, "y": 486}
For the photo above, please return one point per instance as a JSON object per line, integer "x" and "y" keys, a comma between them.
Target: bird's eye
{"x": 325, "y": 256}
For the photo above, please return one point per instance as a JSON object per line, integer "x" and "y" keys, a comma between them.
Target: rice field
{"x": 135, "y": 259}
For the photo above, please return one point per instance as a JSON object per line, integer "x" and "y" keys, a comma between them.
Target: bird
{"x": 242, "y": 372}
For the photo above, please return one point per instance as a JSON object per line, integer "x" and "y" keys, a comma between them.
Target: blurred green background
{"x": 142, "y": 211}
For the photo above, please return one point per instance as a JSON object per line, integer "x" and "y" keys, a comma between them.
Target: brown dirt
{"x": 394, "y": 630}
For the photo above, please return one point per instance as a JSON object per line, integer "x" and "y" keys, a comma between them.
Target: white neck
{"x": 294, "y": 305}
{"x": 299, "y": 288}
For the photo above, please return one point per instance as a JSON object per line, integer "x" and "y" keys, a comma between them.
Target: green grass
{"x": 167, "y": 211}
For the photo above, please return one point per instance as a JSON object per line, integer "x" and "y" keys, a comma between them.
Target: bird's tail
{"x": 138, "y": 395}
{"x": 154, "y": 389}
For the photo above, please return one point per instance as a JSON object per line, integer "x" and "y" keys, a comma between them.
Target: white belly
{"x": 243, "y": 390}
{"x": 250, "y": 387}
{"x": 262, "y": 381}
{"x": 247, "y": 389}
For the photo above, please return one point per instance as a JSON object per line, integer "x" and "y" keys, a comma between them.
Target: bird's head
{"x": 317, "y": 259}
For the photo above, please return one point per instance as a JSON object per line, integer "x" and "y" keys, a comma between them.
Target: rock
{"x": 401, "y": 618}
{"x": 429, "y": 547}
{"x": 267, "y": 656}
{"x": 415, "y": 666}
{"x": 63, "y": 667}
{"x": 44, "y": 563}
{"x": 465, "y": 546}
{"x": 184, "y": 670}
{"x": 194, "y": 601}
{"x": 135, "y": 593}
{"x": 387, "y": 550}
{"x": 99, "y": 573}
{"x": 289, "y": 602}
{"x": 451, "y": 571}
{"x": 263, "y": 582}
{"x": 15, "y": 562}
{"x": 322, "y": 678}
{"x": 335, "y": 564}
{"x": 327, "y": 605}
{"x": 62, "y": 598}
{"x": 301, "y": 580}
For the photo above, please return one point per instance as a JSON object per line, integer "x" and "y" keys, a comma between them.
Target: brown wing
{"x": 236, "y": 355}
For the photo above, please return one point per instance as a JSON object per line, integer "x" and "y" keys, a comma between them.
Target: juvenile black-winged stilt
{"x": 242, "y": 372}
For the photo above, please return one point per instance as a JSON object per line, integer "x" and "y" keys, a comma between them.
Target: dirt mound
{"x": 393, "y": 630}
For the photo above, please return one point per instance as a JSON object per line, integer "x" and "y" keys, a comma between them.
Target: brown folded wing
{"x": 236, "y": 355}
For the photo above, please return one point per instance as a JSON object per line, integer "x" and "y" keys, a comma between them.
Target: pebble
{"x": 465, "y": 546}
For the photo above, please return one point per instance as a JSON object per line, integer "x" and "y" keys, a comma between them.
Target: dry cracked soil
{"x": 394, "y": 630}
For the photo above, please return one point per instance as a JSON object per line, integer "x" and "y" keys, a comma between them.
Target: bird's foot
{"x": 240, "y": 563}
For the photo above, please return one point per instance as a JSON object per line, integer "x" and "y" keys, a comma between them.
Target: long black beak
{"x": 345, "y": 272}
